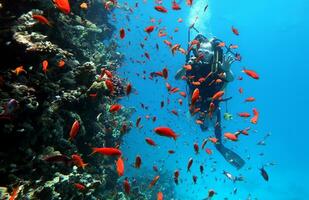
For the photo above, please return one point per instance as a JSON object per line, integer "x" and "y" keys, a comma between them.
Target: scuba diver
{"x": 210, "y": 69}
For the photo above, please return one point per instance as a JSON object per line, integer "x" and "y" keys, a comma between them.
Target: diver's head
{"x": 206, "y": 50}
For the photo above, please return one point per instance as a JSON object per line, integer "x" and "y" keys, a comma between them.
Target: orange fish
{"x": 41, "y": 19}
{"x": 175, "y": 48}
{"x": 255, "y": 117}
{"x": 138, "y": 162}
{"x": 183, "y": 94}
{"x": 199, "y": 121}
{"x": 250, "y": 99}
{"x": 122, "y": 33}
{"x": 120, "y": 166}
{"x": 189, "y": 2}
{"x": 218, "y": 95}
{"x": 195, "y": 96}
{"x": 240, "y": 90}
{"x": 251, "y": 73}
{"x": 181, "y": 50}
{"x": 78, "y": 161}
{"x": 61, "y": 63}
{"x": 244, "y": 114}
{"x": 235, "y": 31}
{"x": 167, "y": 132}
{"x": 231, "y": 136}
{"x": 149, "y": 29}
{"x": 63, "y": 6}
{"x": 154, "y": 181}
{"x": 74, "y": 130}
{"x": 208, "y": 151}
{"x": 233, "y": 46}
{"x": 160, "y": 196}
{"x": 79, "y": 186}
{"x": 161, "y": 9}
{"x": 14, "y": 193}
{"x": 150, "y": 141}
{"x": 83, "y": 6}
{"x": 168, "y": 43}
{"x": 108, "y": 151}
{"x": 115, "y": 108}
{"x": 19, "y": 70}
{"x": 213, "y": 140}
{"x": 211, "y": 109}
{"x": 196, "y": 83}
{"x": 45, "y": 66}
{"x": 221, "y": 44}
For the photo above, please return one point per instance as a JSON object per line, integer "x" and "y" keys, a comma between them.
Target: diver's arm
{"x": 181, "y": 72}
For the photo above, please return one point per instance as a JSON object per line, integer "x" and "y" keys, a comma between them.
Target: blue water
{"x": 273, "y": 41}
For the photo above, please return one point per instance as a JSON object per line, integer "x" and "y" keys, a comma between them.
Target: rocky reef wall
{"x": 52, "y": 74}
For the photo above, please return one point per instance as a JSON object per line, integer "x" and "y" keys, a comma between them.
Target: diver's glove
{"x": 226, "y": 66}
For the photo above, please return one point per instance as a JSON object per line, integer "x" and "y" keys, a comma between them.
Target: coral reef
{"x": 39, "y": 106}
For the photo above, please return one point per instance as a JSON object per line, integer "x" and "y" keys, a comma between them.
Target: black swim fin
{"x": 230, "y": 156}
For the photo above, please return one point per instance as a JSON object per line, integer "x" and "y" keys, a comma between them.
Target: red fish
{"x": 244, "y": 114}
{"x": 240, "y": 90}
{"x": 114, "y": 108}
{"x": 183, "y": 94}
{"x": 250, "y": 99}
{"x": 61, "y": 63}
{"x": 14, "y": 193}
{"x": 176, "y": 175}
{"x": 122, "y": 33}
{"x": 167, "y": 132}
{"x": 174, "y": 112}
{"x": 154, "y": 181}
{"x": 44, "y": 66}
{"x": 171, "y": 151}
{"x": 160, "y": 196}
{"x": 74, "y": 130}
{"x": 251, "y": 73}
{"x": 150, "y": 141}
{"x": 168, "y": 43}
{"x": 208, "y": 151}
{"x": 78, "y": 161}
{"x": 138, "y": 121}
{"x": 194, "y": 179}
{"x": 231, "y": 136}
{"x": 165, "y": 73}
{"x": 161, "y": 9}
{"x": 120, "y": 166}
{"x": 195, "y": 96}
{"x": 126, "y": 186}
{"x": 190, "y": 162}
{"x": 138, "y": 162}
{"x": 128, "y": 89}
{"x": 79, "y": 186}
{"x": 108, "y": 151}
{"x": 41, "y": 19}
{"x": 175, "y": 6}
{"x": 63, "y": 6}
{"x": 149, "y": 29}
{"x": 235, "y": 31}
{"x": 255, "y": 117}
{"x": 110, "y": 86}
{"x": 217, "y": 95}
{"x": 196, "y": 148}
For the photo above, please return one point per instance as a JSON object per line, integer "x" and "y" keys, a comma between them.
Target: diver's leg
{"x": 230, "y": 156}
